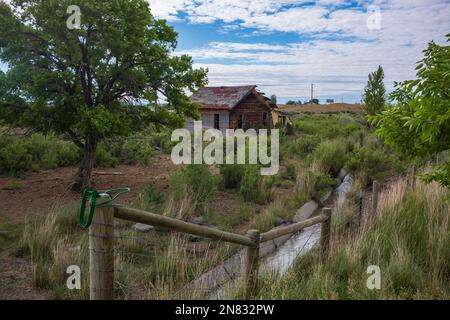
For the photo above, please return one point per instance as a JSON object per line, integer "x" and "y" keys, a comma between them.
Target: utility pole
{"x": 312, "y": 91}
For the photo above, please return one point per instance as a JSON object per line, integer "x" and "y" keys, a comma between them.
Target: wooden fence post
{"x": 325, "y": 233}
{"x": 101, "y": 254}
{"x": 374, "y": 199}
{"x": 360, "y": 207}
{"x": 251, "y": 266}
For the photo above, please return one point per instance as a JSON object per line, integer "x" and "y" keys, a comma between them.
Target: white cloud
{"x": 167, "y": 9}
{"x": 339, "y": 66}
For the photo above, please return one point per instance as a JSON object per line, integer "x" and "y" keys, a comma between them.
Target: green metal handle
{"x": 92, "y": 196}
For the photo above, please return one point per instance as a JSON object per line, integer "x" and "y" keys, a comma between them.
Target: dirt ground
{"x": 15, "y": 280}
{"x": 39, "y": 192}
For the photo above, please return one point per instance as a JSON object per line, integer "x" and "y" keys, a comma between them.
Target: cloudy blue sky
{"x": 284, "y": 46}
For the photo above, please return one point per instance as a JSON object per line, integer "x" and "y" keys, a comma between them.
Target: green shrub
{"x": 68, "y": 154}
{"x": 104, "y": 157}
{"x": 15, "y": 160}
{"x": 197, "y": 178}
{"x": 254, "y": 187}
{"x": 111, "y": 153}
{"x": 329, "y": 157}
{"x": 250, "y": 181}
{"x": 35, "y": 152}
{"x": 136, "y": 150}
{"x": 369, "y": 163}
{"x": 23, "y": 153}
{"x": 323, "y": 183}
{"x": 306, "y": 144}
{"x": 231, "y": 175}
{"x": 162, "y": 140}
{"x": 290, "y": 172}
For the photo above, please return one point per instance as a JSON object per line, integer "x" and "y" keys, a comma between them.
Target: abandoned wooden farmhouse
{"x": 237, "y": 107}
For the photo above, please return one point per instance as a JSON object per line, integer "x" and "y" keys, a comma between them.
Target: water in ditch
{"x": 281, "y": 259}
{"x": 221, "y": 280}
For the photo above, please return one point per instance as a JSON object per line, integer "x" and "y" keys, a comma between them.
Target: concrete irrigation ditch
{"x": 276, "y": 255}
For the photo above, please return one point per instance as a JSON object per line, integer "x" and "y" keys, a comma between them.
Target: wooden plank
{"x": 252, "y": 264}
{"x": 325, "y": 233}
{"x": 104, "y": 173}
{"x": 101, "y": 254}
{"x": 278, "y": 232}
{"x": 145, "y": 217}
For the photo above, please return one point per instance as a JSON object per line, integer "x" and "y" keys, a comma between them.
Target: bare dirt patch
{"x": 40, "y": 191}
{"x": 15, "y": 280}
{"x": 226, "y": 203}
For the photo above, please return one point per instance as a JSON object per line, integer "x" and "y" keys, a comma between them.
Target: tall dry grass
{"x": 147, "y": 266}
{"x": 409, "y": 239}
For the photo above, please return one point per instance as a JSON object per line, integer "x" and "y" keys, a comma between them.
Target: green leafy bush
{"x": 254, "y": 187}
{"x": 231, "y": 175}
{"x": 290, "y": 172}
{"x": 35, "y": 152}
{"x": 307, "y": 144}
{"x": 197, "y": 178}
{"x": 321, "y": 182}
{"x": 250, "y": 181}
{"x": 111, "y": 153}
{"x": 104, "y": 157}
{"x": 329, "y": 157}
{"x": 162, "y": 141}
{"x": 68, "y": 154}
{"x": 14, "y": 160}
{"x": 369, "y": 163}
{"x": 136, "y": 150}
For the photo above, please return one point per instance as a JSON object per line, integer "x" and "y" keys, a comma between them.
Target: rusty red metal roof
{"x": 221, "y": 98}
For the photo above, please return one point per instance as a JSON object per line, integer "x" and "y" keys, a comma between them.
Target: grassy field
{"x": 321, "y": 109}
{"x": 236, "y": 198}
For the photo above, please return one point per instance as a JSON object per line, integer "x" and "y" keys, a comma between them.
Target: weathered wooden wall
{"x": 252, "y": 110}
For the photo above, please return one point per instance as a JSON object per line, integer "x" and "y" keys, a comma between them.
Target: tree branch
{"x": 75, "y": 139}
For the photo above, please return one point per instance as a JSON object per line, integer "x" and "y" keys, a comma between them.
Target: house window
{"x": 264, "y": 120}
{"x": 240, "y": 121}
{"x": 216, "y": 121}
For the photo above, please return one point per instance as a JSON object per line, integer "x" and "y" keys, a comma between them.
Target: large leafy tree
{"x": 418, "y": 120}
{"x": 113, "y": 75}
{"x": 374, "y": 97}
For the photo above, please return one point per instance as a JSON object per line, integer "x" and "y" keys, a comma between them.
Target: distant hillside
{"x": 321, "y": 108}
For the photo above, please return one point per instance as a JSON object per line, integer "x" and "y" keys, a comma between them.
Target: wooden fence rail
{"x": 140, "y": 216}
{"x": 292, "y": 228}
{"x": 101, "y": 243}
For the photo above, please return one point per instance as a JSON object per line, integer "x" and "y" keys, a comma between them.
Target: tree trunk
{"x": 83, "y": 179}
